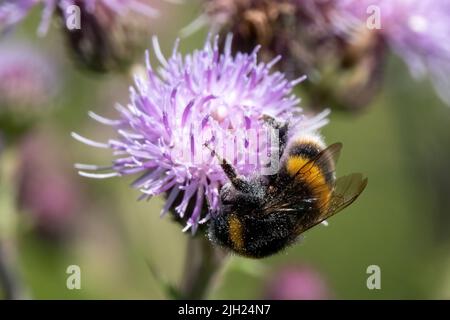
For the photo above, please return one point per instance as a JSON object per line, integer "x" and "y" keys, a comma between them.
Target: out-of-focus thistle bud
{"x": 343, "y": 69}
{"x": 48, "y": 192}
{"x": 349, "y": 75}
{"x": 28, "y": 84}
{"x": 107, "y": 39}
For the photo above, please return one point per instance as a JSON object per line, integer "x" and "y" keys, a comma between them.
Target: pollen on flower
{"x": 209, "y": 97}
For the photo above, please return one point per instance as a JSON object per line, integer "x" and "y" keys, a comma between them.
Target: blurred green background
{"x": 400, "y": 223}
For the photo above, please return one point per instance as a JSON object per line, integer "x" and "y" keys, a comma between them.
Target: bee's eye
{"x": 228, "y": 197}
{"x": 226, "y": 201}
{"x": 226, "y": 208}
{"x": 225, "y": 192}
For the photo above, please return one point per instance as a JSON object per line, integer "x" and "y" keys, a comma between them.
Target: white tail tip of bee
{"x": 325, "y": 223}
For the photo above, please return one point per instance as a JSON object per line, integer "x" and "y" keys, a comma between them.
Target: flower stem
{"x": 10, "y": 281}
{"x": 202, "y": 268}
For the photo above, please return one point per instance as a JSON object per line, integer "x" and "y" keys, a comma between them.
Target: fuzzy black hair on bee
{"x": 262, "y": 215}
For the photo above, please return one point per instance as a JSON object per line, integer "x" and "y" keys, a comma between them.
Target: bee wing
{"x": 346, "y": 191}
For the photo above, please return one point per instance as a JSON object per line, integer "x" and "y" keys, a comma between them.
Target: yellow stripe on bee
{"x": 313, "y": 178}
{"x": 236, "y": 233}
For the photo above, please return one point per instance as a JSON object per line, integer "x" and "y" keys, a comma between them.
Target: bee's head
{"x": 242, "y": 195}
{"x": 239, "y": 194}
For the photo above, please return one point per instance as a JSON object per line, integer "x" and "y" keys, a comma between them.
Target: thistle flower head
{"x": 13, "y": 11}
{"x": 418, "y": 31}
{"x": 192, "y": 104}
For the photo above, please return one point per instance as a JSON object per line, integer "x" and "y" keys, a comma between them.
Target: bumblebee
{"x": 261, "y": 216}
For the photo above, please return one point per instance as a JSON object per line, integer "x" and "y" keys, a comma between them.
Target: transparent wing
{"x": 346, "y": 190}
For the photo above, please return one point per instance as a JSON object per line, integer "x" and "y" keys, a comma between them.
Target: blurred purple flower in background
{"x": 297, "y": 282}
{"x": 28, "y": 80}
{"x": 47, "y": 191}
{"x": 344, "y": 72}
{"x": 189, "y": 101}
{"x": 418, "y": 31}
{"x": 13, "y": 11}
{"x": 29, "y": 84}
{"x": 104, "y": 35}
{"x": 336, "y": 42}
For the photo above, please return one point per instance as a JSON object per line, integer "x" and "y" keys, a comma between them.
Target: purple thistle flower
{"x": 204, "y": 97}
{"x": 13, "y": 11}
{"x": 297, "y": 282}
{"x": 418, "y": 31}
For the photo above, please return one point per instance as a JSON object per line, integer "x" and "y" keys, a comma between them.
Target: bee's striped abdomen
{"x": 319, "y": 178}
{"x": 309, "y": 149}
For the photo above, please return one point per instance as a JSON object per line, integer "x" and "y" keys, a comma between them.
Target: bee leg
{"x": 239, "y": 182}
{"x": 282, "y": 128}
{"x": 236, "y": 180}
{"x": 283, "y": 136}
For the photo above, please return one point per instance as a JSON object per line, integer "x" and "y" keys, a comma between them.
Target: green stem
{"x": 202, "y": 268}
{"x": 9, "y": 278}
{"x": 10, "y": 281}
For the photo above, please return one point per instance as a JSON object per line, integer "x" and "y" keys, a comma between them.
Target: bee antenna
{"x": 213, "y": 152}
{"x": 238, "y": 182}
